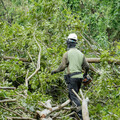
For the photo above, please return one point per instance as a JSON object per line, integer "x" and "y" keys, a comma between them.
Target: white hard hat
{"x": 72, "y": 36}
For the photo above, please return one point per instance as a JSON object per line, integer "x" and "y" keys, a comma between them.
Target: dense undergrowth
{"x": 49, "y": 22}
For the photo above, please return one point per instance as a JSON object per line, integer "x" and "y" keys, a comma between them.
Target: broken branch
{"x": 97, "y": 60}
{"x": 11, "y": 58}
{"x": 8, "y": 88}
{"x": 19, "y": 118}
{"x": 46, "y": 112}
{"x": 76, "y": 95}
{"x": 7, "y": 100}
{"x": 11, "y": 111}
{"x": 85, "y": 112}
{"x": 38, "y": 63}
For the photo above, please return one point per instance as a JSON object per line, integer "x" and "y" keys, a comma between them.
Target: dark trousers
{"x": 75, "y": 83}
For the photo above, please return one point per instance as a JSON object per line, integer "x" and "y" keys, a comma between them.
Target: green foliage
{"x": 105, "y": 94}
{"x": 50, "y": 22}
{"x": 101, "y": 17}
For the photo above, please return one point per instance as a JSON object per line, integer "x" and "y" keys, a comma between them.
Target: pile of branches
{"x": 49, "y": 112}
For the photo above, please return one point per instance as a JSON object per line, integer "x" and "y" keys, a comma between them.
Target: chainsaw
{"x": 86, "y": 80}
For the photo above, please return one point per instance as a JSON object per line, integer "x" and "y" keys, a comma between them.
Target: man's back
{"x": 73, "y": 62}
{"x": 75, "y": 59}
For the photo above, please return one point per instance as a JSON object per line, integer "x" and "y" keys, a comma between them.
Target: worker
{"x": 73, "y": 62}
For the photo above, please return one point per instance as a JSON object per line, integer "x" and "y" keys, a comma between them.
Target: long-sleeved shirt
{"x": 73, "y": 61}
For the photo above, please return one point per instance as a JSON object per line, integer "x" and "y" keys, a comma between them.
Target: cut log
{"x": 8, "y": 88}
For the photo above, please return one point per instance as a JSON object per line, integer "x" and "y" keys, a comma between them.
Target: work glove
{"x": 53, "y": 72}
{"x": 84, "y": 76}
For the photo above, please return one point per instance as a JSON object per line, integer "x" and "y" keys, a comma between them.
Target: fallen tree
{"x": 49, "y": 113}
{"x": 98, "y": 60}
{"x": 89, "y": 60}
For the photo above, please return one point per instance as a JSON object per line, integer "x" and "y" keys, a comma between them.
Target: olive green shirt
{"x": 73, "y": 61}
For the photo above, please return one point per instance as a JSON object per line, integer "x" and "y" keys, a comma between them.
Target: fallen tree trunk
{"x": 85, "y": 112}
{"x": 93, "y": 60}
{"x": 8, "y": 88}
{"x": 89, "y": 60}
{"x": 97, "y": 60}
